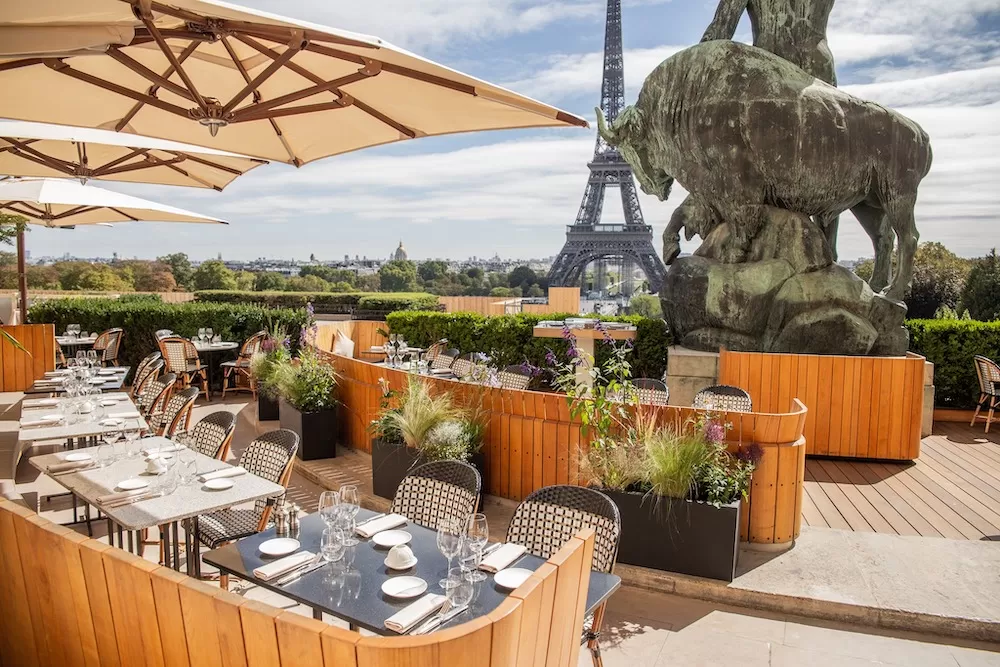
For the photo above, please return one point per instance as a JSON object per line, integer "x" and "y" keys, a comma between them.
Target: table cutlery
{"x": 135, "y": 499}
{"x": 307, "y": 567}
{"x": 440, "y": 620}
{"x": 490, "y": 549}
{"x": 370, "y": 519}
{"x": 70, "y": 472}
{"x": 442, "y": 610}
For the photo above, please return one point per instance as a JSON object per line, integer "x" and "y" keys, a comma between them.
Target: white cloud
{"x": 963, "y": 87}
{"x": 852, "y": 47}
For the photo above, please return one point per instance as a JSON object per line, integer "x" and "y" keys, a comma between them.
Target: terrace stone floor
{"x": 643, "y": 627}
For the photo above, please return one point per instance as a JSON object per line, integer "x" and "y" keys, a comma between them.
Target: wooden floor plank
{"x": 956, "y": 499}
{"x": 923, "y": 527}
{"x": 894, "y": 480}
{"x": 810, "y": 513}
{"x": 846, "y": 508}
{"x": 982, "y": 487}
{"x": 897, "y": 522}
{"x": 832, "y": 517}
{"x": 853, "y": 493}
{"x": 946, "y": 512}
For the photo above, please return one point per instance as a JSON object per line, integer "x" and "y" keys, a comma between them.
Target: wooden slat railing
{"x": 18, "y": 370}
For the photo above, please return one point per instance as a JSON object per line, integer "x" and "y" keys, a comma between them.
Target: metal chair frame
{"x": 988, "y": 373}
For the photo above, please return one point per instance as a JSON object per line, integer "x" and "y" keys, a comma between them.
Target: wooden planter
{"x": 317, "y": 430}
{"x": 267, "y": 408}
{"x": 674, "y": 535}
{"x": 391, "y": 462}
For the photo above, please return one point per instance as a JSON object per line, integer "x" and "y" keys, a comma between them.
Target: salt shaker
{"x": 280, "y": 519}
{"x": 293, "y": 520}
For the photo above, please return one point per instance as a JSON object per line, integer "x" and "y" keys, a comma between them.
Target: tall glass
{"x": 478, "y": 535}
{"x": 106, "y": 452}
{"x": 449, "y": 542}
{"x": 201, "y": 334}
{"x": 349, "y": 507}
{"x": 92, "y": 358}
{"x": 187, "y": 466}
{"x": 329, "y": 505}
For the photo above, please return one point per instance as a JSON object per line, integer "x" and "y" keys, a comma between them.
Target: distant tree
{"x": 646, "y": 305}
{"x": 864, "y": 268}
{"x": 369, "y": 282}
{"x": 149, "y": 276}
{"x": 212, "y": 274}
{"x": 475, "y": 273}
{"x": 245, "y": 280}
{"x": 307, "y": 284}
{"x": 535, "y": 291}
{"x": 70, "y": 274}
{"x": 267, "y": 281}
{"x": 180, "y": 266}
{"x": 9, "y": 225}
{"x": 328, "y": 273}
{"x": 522, "y": 276}
{"x": 103, "y": 278}
{"x": 341, "y": 287}
{"x": 504, "y": 291}
{"x": 981, "y": 296}
{"x": 432, "y": 270}
{"x": 399, "y": 275}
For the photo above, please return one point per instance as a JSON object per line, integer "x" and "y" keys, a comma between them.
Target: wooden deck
{"x": 952, "y": 490}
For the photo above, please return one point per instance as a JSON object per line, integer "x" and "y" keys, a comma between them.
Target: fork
{"x": 442, "y": 610}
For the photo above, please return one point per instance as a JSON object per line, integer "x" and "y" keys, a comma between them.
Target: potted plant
{"x": 677, "y": 487}
{"x": 415, "y": 427}
{"x": 307, "y": 405}
{"x": 274, "y": 352}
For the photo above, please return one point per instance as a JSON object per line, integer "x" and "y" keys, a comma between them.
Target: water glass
{"x": 449, "y": 542}
{"x": 169, "y": 481}
{"x": 350, "y": 506}
{"x": 187, "y": 466}
{"x": 329, "y": 506}
{"x": 81, "y": 358}
{"x": 477, "y": 536}
{"x": 331, "y": 545}
{"x": 461, "y": 590}
{"x": 92, "y": 358}
{"x": 201, "y": 334}
{"x": 105, "y": 454}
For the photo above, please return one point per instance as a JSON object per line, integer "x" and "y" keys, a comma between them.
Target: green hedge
{"x": 950, "y": 345}
{"x": 508, "y": 339}
{"x": 141, "y": 319}
{"x": 320, "y": 300}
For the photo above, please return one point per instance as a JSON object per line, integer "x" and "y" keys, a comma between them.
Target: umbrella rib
{"x": 23, "y": 150}
{"x": 76, "y": 210}
{"x": 149, "y": 74}
{"x": 133, "y": 152}
{"x": 123, "y": 214}
{"x": 137, "y": 166}
{"x": 394, "y": 69}
{"x": 172, "y": 59}
{"x": 32, "y": 211}
{"x": 251, "y": 86}
{"x": 184, "y": 172}
{"x": 63, "y": 68}
{"x": 213, "y": 165}
{"x": 188, "y": 50}
{"x": 23, "y": 62}
{"x": 302, "y": 94}
{"x": 288, "y": 111}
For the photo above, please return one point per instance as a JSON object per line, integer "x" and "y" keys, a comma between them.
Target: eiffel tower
{"x": 587, "y": 240}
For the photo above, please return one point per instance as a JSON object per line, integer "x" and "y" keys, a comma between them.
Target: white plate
{"x": 112, "y": 421}
{"x": 390, "y": 538}
{"x": 133, "y": 484}
{"x": 107, "y": 402}
{"x": 279, "y": 546}
{"x": 219, "y": 484}
{"x": 96, "y": 381}
{"x": 397, "y": 587}
{"x": 511, "y": 578}
{"x": 107, "y": 371}
{"x": 404, "y": 567}
{"x": 164, "y": 456}
{"x": 77, "y": 456}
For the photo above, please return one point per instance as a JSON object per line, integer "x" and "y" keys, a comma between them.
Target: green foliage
{"x": 307, "y": 384}
{"x": 274, "y": 353}
{"x": 308, "y": 283}
{"x": 419, "y": 412}
{"x": 950, "y": 345}
{"x": 180, "y": 267}
{"x": 102, "y": 278}
{"x": 329, "y": 274}
{"x": 399, "y": 275}
{"x": 395, "y": 302}
{"x": 268, "y": 281}
{"x": 140, "y": 298}
{"x": 213, "y": 274}
{"x": 432, "y": 270}
{"x": 325, "y": 302}
{"x": 508, "y": 339}
{"x": 981, "y": 295}
{"x": 673, "y": 462}
{"x": 141, "y": 319}
{"x": 523, "y": 277}
{"x": 938, "y": 278}
{"x": 646, "y": 305}
{"x": 9, "y": 226}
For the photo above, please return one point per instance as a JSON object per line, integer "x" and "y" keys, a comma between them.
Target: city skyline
{"x": 513, "y": 193}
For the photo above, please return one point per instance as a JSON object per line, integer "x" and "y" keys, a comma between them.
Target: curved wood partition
{"x": 531, "y": 442}
{"x": 20, "y": 370}
{"x": 70, "y": 600}
{"x": 862, "y": 407}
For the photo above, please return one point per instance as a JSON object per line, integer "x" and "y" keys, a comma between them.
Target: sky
{"x": 512, "y": 193}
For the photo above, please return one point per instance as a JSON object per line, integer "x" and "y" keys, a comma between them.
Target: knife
{"x": 370, "y": 519}
{"x": 314, "y": 564}
{"x": 440, "y": 620}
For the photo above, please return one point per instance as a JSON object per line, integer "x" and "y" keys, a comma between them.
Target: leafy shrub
{"x": 508, "y": 339}
{"x": 398, "y": 301}
{"x": 308, "y": 384}
{"x": 141, "y": 319}
{"x": 140, "y": 298}
{"x": 950, "y": 345}
{"x": 325, "y": 302}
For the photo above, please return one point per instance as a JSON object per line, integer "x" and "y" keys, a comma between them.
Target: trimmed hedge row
{"x": 508, "y": 339}
{"x": 950, "y": 345}
{"x": 325, "y": 301}
{"x": 141, "y": 319}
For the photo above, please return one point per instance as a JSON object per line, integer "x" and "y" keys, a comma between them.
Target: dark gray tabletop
{"x": 352, "y": 588}
{"x": 111, "y": 382}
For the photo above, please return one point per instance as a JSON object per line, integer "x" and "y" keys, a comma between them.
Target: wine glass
{"x": 331, "y": 544}
{"x": 350, "y": 506}
{"x": 201, "y": 334}
{"x": 329, "y": 503}
{"x": 478, "y": 535}
{"x": 92, "y": 358}
{"x": 209, "y": 334}
{"x": 81, "y": 358}
{"x": 449, "y": 543}
{"x": 187, "y": 466}
{"x": 106, "y": 452}
{"x": 131, "y": 437}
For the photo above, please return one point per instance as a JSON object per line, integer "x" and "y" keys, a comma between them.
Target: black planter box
{"x": 267, "y": 408}
{"x": 683, "y": 536}
{"x": 391, "y": 462}
{"x": 317, "y": 430}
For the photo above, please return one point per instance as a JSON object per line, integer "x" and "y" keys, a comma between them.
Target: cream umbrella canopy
{"x": 214, "y": 74}
{"x": 43, "y": 150}
{"x": 64, "y": 203}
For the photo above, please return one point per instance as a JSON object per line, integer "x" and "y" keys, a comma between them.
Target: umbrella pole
{"x": 22, "y": 275}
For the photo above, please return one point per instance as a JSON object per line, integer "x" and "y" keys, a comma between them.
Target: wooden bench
{"x": 69, "y": 600}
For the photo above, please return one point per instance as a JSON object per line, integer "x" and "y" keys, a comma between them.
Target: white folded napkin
{"x": 29, "y": 423}
{"x": 68, "y": 466}
{"x": 40, "y": 403}
{"x": 378, "y": 525}
{"x": 162, "y": 450}
{"x": 283, "y": 565}
{"x": 414, "y": 613}
{"x": 55, "y": 374}
{"x": 441, "y": 371}
{"x": 120, "y": 495}
{"x": 502, "y": 557}
{"x": 55, "y": 380}
{"x": 225, "y": 472}
{"x": 131, "y": 414}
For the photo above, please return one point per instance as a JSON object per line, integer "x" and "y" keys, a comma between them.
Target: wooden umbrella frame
{"x": 214, "y": 113}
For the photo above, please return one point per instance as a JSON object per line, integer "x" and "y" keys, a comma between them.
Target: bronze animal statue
{"x": 742, "y": 128}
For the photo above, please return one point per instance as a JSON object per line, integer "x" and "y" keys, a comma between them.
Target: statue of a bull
{"x": 742, "y": 128}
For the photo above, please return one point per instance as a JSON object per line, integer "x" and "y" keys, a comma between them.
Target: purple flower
{"x": 550, "y": 357}
{"x": 268, "y": 345}
{"x": 751, "y": 453}
{"x": 604, "y": 332}
{"x": 571, "y": 352}
{"x": 530, "y": 369}
{"x": 715, "y": 432}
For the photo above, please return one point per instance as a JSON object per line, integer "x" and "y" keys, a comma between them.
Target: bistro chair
{"x": 723, "y": 397}
{"x": 142, "y": 371}
{"x": 989, "y": 388}
{"x": 270, "y": 456}
{"x": 438, "y": 490}
{"x": 463, "y": 365}
{"x": 514, "y": 377}
{"x": 60, "y": 357}
{"x": 652, "y": 391}
{"x": 154, "y": 395}
{"x": 239, "y": 368}
{"x": 182, "y": 358}
{"x": 176, "y": 415}
{"x": 107, "y": 345}
{"x": 550, "y": 516}
{"x": 434, "y": 350}
{"x": 445, "y": 359}
{"x": 213, "y": 435}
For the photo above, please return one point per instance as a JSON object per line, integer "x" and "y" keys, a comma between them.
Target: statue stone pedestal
{"x": 688, "y": 372}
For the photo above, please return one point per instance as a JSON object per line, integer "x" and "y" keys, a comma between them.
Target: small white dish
{"x": 77, "y": 456}
{"x": 107, "y": 371}
{"x": 390, "y": 538}
{"x": 96, "y": 381}
{"x": 279, "y": 546}
{"x": 107, "y": 402}
{"x": 112, "y": 421}
{"x": 407, "y": 566}
{"x": 511, "y": 578}
{"x": 133, "y": 484}
{"x": 162, "y": 456}
{"x": 219, "y": 484}
{"x": 403, "y": 588}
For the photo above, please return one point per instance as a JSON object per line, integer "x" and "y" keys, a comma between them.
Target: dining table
{"x": 212, "y": 351}
{"x": 170, "y": 512}
{"x": 112, "y": 379}
{"x": 351, "y": 588}
{"x": 76, "y": 341}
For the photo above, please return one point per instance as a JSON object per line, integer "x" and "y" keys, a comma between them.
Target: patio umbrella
{"x": 213, "y": 74}
{"x": 42, "y": 150}
{"x": 64, "y": 203}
